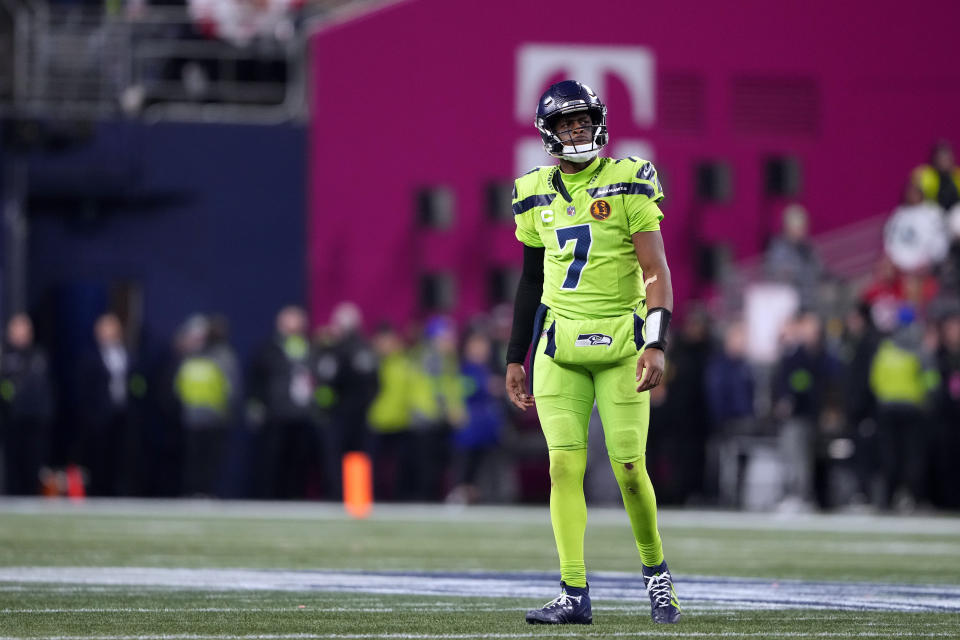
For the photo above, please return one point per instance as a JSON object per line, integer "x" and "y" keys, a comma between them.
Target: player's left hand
{"x": 649, "y": 369}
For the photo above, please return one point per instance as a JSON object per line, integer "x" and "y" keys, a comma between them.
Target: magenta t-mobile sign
{"x": 744, "y": 109}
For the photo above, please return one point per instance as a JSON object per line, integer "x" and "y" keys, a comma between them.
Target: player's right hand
{"x": 517, "y": 387}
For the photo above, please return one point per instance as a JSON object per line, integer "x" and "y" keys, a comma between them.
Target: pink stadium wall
{"x": 425, "y": 92}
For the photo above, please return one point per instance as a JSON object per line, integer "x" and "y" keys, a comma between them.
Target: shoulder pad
{"x": 527, "y": 182}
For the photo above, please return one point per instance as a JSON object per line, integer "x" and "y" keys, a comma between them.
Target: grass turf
{"x": 508, "y": 539}
{"x": 318, "y": 536}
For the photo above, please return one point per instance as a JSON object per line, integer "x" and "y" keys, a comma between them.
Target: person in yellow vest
{"x": 204, "y": 394}
{"x": 438, "y": 404}
{"x": 902, "y": 375}
{"x": 940, "y": 180}
{"x": 390, "y": 442}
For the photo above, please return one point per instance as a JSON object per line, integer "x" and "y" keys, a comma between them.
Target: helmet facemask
{"x": 558, "y": 147}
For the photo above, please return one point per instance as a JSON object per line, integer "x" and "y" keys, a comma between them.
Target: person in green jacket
{"x": 902, "y": 376}
{"x": 389, "y": 417}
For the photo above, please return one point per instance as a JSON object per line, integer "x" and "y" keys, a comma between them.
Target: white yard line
{"x": 214, "y": 509}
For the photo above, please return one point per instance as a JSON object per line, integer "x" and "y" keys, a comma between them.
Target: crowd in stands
{"x": 203, "y": 424}
{"x": 856, "y": 404}
{"x": 207, "y": 51}
{"x": 861, "y": 403}
{"x": 240, "y": 22}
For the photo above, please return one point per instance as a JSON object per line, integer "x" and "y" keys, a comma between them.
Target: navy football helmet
{"x": 565, "y": 98}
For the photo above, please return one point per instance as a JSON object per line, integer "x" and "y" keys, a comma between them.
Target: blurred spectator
{"x": 391, "y": 441}
{"x": 884, "y": 294}
{"x": 235, "y": 473}
{"x": 678, "y": 452}
{"x": 164, "y": 433}
{"x": 951, "y": 273}
{"x": 324, "y": 365}
{"x": 109, "y": 386}
{"x": 501, "y": 322}
{"x": 26, "y": 407}
{"x": 729, "y": 383}
{"x": 947, "y": 437}
{"x": 857, "y": 349}
{"x": 240, "y": 22}
{"x": 522, "y": 438}
{"x": 355, "y": 383}
{"x": 940, "y": 180}
{"x": 791, "y": 258}
{"x": 476, "y": 441}
{"x": 900, "y": 379}
{"x": 890, "y": 289}
{"x": 953, "y": 222}
{"x": 220, "y": 349}
{"x": 281, "y": 406}
{"x": 806, "y": 373}
{"x": 915, "y": 236}
{"x": 204, "y": 394}
{"x": 438, "y": 404}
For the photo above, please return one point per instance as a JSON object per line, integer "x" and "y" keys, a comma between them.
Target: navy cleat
{"x": 664, "y": 604}
{"x": 572, "y": 606}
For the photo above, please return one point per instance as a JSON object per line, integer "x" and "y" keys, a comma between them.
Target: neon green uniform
{"x": 585, "y": 222}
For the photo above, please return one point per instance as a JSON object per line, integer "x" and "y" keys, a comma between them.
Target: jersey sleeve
{"x": 646, "y": 193}
{"x": 526, "y": 225}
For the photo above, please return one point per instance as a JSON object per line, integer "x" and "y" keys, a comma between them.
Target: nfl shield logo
{"x": 571, "y": 211}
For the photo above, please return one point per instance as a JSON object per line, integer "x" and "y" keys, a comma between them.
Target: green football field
{"x": 194, "y": 570}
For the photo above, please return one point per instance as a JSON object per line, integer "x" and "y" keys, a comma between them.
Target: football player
{"x": 594, "y": 301}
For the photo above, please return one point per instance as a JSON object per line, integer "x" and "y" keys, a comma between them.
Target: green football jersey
{"x": 585, "y": 222}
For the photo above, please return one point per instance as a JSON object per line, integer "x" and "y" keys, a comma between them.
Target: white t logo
{"x": 536, "y": 63}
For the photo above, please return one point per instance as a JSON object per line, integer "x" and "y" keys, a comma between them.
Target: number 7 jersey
{"x": 585, "y": 221}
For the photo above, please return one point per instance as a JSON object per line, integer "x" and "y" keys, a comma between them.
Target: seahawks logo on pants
{"x": 593, "y": 340}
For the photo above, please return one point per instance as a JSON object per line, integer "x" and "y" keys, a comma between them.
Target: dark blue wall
{"x": 206, "y": 218}
{"x": 202, "y": 218}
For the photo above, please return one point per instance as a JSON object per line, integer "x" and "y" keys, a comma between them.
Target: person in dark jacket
{"x": 857, "y": 348}
{"x": 730, "y": 399}
{"x": 26, "y": 407}
{"x": 355, "y": 384}
{"x": 948, "y": 412}
{"x": 805, "y": 377}
{"x": 280, "y": 406}
{"x": 678, "y": 454}
{"x": 730, "y": 383}
{"x": 109, "y": 386}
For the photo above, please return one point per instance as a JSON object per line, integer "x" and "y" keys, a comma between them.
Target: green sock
{"x": 568, "y": 512}
{"x": 641, "y": 504}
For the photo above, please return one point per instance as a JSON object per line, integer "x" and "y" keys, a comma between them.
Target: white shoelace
{"x": 563, "y": 600}
{"x": 659, "y": 588}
